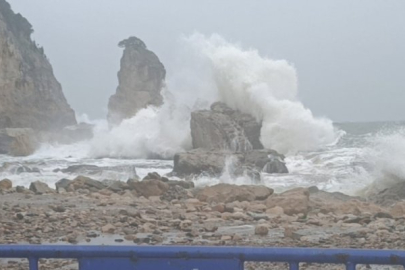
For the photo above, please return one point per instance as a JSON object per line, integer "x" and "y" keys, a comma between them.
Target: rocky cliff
{"x": 30, "y": 95}
{"x": 141, "y": 78}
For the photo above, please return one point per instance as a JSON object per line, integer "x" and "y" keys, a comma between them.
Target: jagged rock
{"x": 6, "y": 184}
{"x": 17, "y": 141}
{"x": 214, "y": 162}
{"x": 224, "y": 128}
{"x": 141, "y": 78}
{"x": 39, "y": 188}
{"x": 294, "y": 201}
{"x": 31, "y": 97}
{"x": 224, "y": 193}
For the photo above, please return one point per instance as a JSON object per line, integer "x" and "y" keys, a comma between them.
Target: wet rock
{"x": 39, "y": 188}
{"x": 6, "y": 184}
{"x": 276, "y": 165}
{"x": 62, "y": 184}
{"x": 224, "y": 193}
{"x": 20, "y": 189}
{"x": 295, "y": 201}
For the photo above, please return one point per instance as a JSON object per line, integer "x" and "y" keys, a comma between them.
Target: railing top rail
{"x": 273, "y": 254}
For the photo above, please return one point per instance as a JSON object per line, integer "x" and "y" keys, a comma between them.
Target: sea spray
{"x": 213, "y": 69}
{"x": 267, "y": 90}
{"x": 386, "y": 158}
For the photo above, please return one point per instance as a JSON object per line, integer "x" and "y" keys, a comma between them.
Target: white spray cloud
{"x": 266, "y": 89}
{"x": 211, "y": 69}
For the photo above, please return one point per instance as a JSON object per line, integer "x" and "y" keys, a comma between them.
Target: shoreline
{"x": 221, "y": 215}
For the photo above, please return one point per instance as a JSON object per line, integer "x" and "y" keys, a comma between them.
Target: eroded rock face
{"x": 141, "y": 79}
{"x": 224, "y": 128}
{"x": 30, "y": 95}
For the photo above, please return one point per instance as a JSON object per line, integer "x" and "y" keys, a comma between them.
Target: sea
{"x": 353, "y": 158}
{"x": 367, "y": 156}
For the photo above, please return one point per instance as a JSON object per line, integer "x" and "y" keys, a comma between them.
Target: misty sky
{"x": 349, "y": 55}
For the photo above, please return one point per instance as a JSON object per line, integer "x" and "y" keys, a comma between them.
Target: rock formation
{"x": 30, "y": 95}
{"x": 141, "y": 79}
{"x": 226, "y": 141}
{"x": 224, "y": 128}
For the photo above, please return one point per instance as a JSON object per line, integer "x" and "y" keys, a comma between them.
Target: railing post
{"x": 33, "y": 263}
{"x": 350, "y": 266}
{"x": 294, "y": 266}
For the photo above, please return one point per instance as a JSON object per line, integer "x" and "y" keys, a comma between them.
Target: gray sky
{"x": 349, "y": 55}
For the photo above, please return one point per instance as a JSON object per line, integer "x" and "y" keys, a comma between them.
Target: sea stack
{"x": 141, "y": 78}
{"x": 30, "y": 95}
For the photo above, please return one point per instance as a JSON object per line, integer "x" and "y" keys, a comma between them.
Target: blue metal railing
{"x": 193, "y": 258}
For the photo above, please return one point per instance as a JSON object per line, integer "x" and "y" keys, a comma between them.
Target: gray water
{"x": 368, "y": 152}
